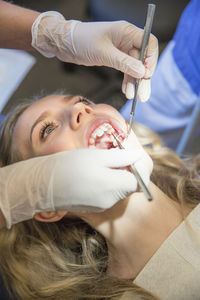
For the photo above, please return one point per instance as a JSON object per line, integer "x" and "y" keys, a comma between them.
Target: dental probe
{"x": 145, "y": 41}
{"x": 137, "y": 175}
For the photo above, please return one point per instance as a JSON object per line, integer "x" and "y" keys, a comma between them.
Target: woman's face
{"x": 59, "y": 122}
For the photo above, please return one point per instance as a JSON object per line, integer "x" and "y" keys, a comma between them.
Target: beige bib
{"x": 173, "y": 272}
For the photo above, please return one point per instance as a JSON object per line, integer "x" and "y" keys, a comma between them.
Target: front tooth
{"x": 91, "y": 141}
{"x": 110, "y": 130}
{"x": 103, "y": 127}
{"x": 94, "y": 135}
{"x": 99, "y": 132}
{"x": 108, "y": 125}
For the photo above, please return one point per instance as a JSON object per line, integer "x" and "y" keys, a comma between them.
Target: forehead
{"x": 49, "y": 103}
{"x": 52, "y": 101}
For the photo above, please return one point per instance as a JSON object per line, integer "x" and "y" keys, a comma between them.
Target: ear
{"x": 50, "y": 216}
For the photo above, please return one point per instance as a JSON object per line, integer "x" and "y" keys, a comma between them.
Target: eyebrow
{"x": 46, "y": 114}
{"x": 68, "y": 98}
{"x": 41, "y": 118}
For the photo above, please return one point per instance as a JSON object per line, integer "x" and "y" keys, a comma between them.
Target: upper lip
{"x": 98, "y": 122}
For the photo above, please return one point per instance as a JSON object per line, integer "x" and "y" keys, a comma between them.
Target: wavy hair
{"x": 68, "y": 259}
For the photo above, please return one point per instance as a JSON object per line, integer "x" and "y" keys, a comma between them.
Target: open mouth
{"x": 102, "y": 137}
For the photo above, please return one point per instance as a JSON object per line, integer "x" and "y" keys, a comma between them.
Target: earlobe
{"x": 50, "y": 216}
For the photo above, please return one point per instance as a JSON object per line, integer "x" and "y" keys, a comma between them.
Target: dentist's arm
{"x": 15, "y": 26}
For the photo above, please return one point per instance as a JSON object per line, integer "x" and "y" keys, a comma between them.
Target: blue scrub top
{"x": 175, "y": 85}
{"x": 187, "y": 45}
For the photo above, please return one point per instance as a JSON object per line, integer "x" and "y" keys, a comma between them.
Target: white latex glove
{"x": 82, "y": 180}
{"x": 111, "y": 44}
{"x": 144, "y": 165}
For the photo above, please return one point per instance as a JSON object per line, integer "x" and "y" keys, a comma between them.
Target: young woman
{"x": 112, "y": 44}
{"x": 98, "y": 255}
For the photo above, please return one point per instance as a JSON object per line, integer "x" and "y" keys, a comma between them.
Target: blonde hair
{"x": 8, "y": 153}
{"x": 178, "y": 178}
{"x": 68, "y": 259}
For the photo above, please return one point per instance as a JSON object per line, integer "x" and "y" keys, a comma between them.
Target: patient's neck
{"x": 135, "y": 228}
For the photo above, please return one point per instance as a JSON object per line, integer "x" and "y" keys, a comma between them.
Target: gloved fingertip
{"x": 143, "y": 97}
{"x": 130, "y": 90}
{"x": 144, "y": 90}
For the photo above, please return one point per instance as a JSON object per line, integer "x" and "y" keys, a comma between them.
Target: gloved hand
{"x": 144, "y": 165}
{"x": 81, "y": 180}
{"x": 112, "y": 44}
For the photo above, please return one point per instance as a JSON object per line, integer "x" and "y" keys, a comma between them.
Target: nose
{"x": 80, "y": 112}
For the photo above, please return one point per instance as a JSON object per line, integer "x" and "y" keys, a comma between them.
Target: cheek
{"x": 21, "y": 144}
{"x": 58, "y": 145}
{"x": 108, "y": 110}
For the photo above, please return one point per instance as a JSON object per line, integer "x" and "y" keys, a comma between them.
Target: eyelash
{"x": 85, "y": 101}
{"x": 45, "y": 125}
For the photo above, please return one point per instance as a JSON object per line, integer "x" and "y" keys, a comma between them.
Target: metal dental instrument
{"x": 137, "y": 175}
{"x": 145, "y": 41}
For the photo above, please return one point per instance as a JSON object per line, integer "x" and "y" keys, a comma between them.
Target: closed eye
{"x": 85, "y": 101}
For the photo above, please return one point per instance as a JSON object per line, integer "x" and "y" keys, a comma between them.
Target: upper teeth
{"x": 99, "y": 132}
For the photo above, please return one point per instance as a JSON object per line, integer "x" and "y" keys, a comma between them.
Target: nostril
{"x": 78, "y": 117}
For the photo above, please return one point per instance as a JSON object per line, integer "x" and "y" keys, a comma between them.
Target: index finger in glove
{"x": 116, "y": 158}
{"x": 128, "y": 84}
{"x": 131, "y": 36}
{"x": 124, "y": 62}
